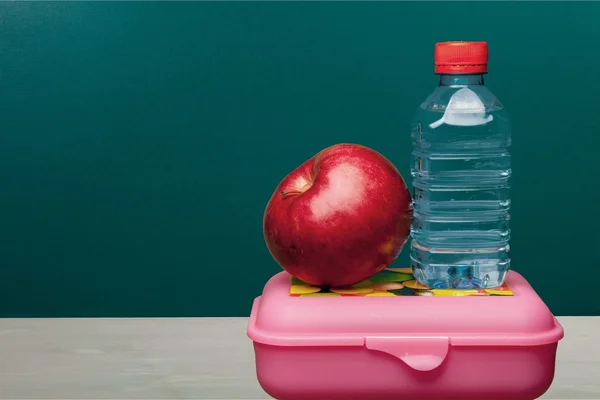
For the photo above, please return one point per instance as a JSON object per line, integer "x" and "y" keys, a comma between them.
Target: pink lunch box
{"x": 403, "y": 347}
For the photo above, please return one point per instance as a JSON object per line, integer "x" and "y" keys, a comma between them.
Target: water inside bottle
{"x": 461, "y": 170}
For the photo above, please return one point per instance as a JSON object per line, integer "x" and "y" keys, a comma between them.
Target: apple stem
{"x": 290, "y": 193}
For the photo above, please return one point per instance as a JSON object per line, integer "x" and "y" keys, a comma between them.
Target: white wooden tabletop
{"x": 193, "y": 358}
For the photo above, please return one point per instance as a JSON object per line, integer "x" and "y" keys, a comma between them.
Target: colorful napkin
{"x": 390, "y": 282}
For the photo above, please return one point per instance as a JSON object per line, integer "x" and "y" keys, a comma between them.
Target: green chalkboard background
{"x": 140, "y": 142}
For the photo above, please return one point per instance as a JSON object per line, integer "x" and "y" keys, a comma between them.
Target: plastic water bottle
{"x": 461, "y": 169}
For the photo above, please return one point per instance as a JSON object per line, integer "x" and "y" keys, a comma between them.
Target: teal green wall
{"x": 140, "y": 142}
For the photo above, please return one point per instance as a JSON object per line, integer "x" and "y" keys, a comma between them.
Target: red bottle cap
{"x": 461, "y": 58}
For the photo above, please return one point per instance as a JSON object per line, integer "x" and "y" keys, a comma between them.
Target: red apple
{"x": 339, "y": 218}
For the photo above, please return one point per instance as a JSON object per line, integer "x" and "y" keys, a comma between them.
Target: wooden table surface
{"x": 193, "y": 358}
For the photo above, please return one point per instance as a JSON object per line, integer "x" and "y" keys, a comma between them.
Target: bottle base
{"x": 460, "y": 277}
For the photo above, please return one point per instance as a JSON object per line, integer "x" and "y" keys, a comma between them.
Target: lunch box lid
{"x": 394, "y": 323}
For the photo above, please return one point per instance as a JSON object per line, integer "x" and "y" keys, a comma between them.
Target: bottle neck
{"x": 461, "y": 80}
